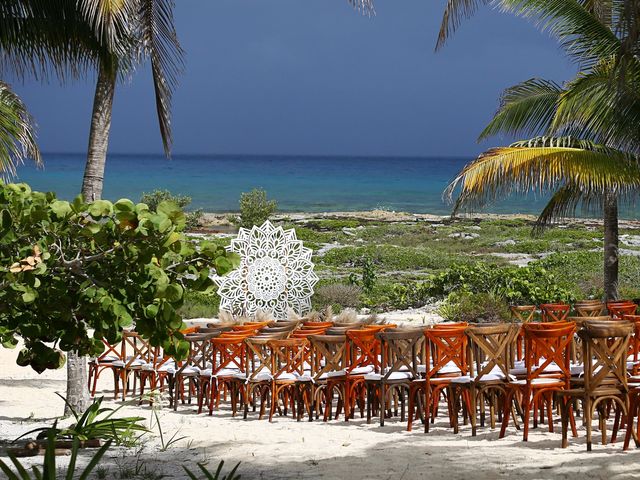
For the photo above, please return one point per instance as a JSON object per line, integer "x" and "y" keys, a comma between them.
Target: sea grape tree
{"x": 72, "y": 273}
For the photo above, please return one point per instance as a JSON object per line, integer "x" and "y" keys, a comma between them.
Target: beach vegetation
{"x": 75, "y": 273}
{"x": 213, "y": 475}
{"x": 96, "y": 423}
{"x": 193, "y": 218}
{"x": 49, "y": 470}
{"x": 199, "y": 305}
{"x": 481, "y": 307}
{"x": 338, "y": 295}
{"x": 255, "y": 208}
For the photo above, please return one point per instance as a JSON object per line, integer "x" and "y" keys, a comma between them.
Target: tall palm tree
{"x": 589, "y": 152}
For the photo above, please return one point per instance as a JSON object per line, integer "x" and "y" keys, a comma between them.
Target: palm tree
{"x": 588, "y": 153}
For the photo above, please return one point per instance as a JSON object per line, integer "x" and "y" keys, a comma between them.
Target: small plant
{"x": 49, "y": 470}
{"x": 89, "y": 426}
{"x": 368, "y": 275}
{"x": 339, "y": 294}
{"x": 255, "y": 209}
{"x": 207, "y": 475}
{"x": 153, "y": 199}
{"x": 165, "y": 444}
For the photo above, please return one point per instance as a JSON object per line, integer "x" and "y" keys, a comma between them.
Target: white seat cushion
{"x": 485, "y": 378}
{"x": 227, "y": 372}
{"x": 393, "y": 376}
{"x": 540, "y": 381}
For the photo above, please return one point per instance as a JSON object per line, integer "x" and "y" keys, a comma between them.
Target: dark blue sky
{"x": 314, "y": 77}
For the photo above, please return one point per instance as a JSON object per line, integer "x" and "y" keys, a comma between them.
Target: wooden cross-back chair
{"x": 399, "y": 362}
{"x": 291, "y": 379}
{"x": 258, "y": 383}
{"x": 589, "y": 308}
{"x": 547, "y": 359}
{"x": 187, "y": 376}
{"x": 522, "y": 314}
{"x": 554, "y": 312}
{"x": 620, "y": 308}
{"x": 490, "y": 353}
{"x": 328, "y": 358}
{"x": 135, "y": 353}
{"x": 446, "y": 358}
{"x": 605, "y": 347}
{"x": 363, "y": 357}
{"x": 104, "y": 361}
{"x": 228, "y": 372}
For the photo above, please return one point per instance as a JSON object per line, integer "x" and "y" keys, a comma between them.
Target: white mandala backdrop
{"x": 275, "y": 274}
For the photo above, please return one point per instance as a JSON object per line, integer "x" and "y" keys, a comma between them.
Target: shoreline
{"x": 214, "y": 219}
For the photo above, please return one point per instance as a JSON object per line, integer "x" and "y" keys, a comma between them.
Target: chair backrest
{"x": 288, "y": 356}
{"x": 228, "y": 353}
{"x": 446, "y": 346}
{"x": 620, "y": 308}
{"x": 450, "y": 324}
{"x": 133, "y": 348}
{"x": 548, "y": 344}
{"x": 554, "y": 312}
{"x": 491, "y": 349}
{"x": 589, "y": 308}
{"x": 111, "y": 352}
{"x": 328, "y": 354}
{"x": 309, "y": 323}
{"x": 258, "y": 357}
{"x": 634, "y": 343}
{"x": 605, "y": 349}
{"x": 523, "y": 313}
{"x": 363, "y": 349}
{"x": 400, "y": 351}
{"x": 199, "y": 350}
{"x": 335, "y": 330}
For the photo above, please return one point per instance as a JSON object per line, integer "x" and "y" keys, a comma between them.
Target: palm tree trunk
{"x": 610, "y": 246}
{"x": 77, "y": 392}
{"x": 99, "y": 136}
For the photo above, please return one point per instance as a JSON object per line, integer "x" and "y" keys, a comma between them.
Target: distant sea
{"x": 298, "y": 183}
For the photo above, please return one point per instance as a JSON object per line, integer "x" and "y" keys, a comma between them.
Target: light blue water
{"x": 298, "y": 183}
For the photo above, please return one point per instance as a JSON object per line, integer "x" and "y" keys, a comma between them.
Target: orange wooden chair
{"x": 135, "y": 353}
{"x": 104, "y": 361}
{"x": 328, "y": 358}
{"x": 589, "y": 308}
{"x": 554, "y": 312}
{"x": 227, "y": 373}
{"x": 291, "y": 381}
{"x": 259, "y": 378}
{"x": 363, "y": 357}
{"x": 446, "y": 358}
{"x": 547, "y": 360}
{"x": 619, "y": 308}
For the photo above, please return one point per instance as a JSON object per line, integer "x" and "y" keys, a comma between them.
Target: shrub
{"x": 368, "y": 278}
{"x": 255, "y": 209}
{"x": 199, "y": 305}
{"x": 193, "y": 219}
{"x": 339, "y": 294}
{"x": 475, "y": 307}
{"x": 411, "y": 295}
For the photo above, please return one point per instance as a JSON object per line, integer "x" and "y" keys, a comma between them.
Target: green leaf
{"x": 174, "y": 292}
{"x": 61, "y": 208}
{"x": 100, "y": 208}
{"x": 28, "y": 296}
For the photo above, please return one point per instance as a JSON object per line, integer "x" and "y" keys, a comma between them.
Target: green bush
{"x": 199, "y": 305}
{"x": 483, "y": 307}
{"x": 255, "y": 209}
{"x": 153, "y": 199}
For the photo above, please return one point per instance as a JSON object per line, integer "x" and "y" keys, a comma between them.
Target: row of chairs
{"x": 302, "y": 366}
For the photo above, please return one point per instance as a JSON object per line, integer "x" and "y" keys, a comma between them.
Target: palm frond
{"x": 564, "y": 203}
{"x": 593, "y": 106}
{"x": 454, "y": 13}
{"x": 579, "y": 31}
{"x": 17, "y": 133}
{"x": 543, "y": 165}
{"x": 528, "y": 107}
{"x": 112, "y": 21}
{"x": 161, "y": 42}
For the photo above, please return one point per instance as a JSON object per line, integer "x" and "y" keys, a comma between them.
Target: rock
{"x": 474, "y": 227}
{"x": 464, "y": 235}
{"x": 505, "y": 243}
{"x": 630, "y": 240}
{"x": 348, "y": 231}
{"x": 365, "y": 311}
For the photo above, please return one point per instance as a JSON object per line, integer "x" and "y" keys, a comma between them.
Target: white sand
{"x": 333, "y": 450}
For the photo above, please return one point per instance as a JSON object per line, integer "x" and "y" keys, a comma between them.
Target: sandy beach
{"x": 290, "y": 449}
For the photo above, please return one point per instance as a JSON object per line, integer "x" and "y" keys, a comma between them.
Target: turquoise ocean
{"x": 298, "y": 183}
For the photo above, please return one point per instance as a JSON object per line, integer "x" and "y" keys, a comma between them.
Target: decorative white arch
{"x": 275, "y": 274}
